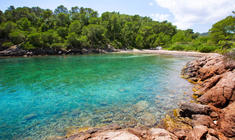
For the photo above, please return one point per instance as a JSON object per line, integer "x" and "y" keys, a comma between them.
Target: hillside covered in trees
{"x": 82, "y": 28}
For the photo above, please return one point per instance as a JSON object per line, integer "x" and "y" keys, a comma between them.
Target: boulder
{"x": 141, "y": 106}
{"x": 111, "y": 48}
{"x": 161, "y": 134}
{"x": 181, "y": 134}
{"x": 226, "y": 122}
{"x": 204, "y": 67}
{"x": 190, "y": 70}
{"x": 148, "y": 119}
{"x": 212, "y": 69}
{"x": 84, "y": 51}
{"x": 210, "y": 137}
{"x": 222, "y": 93}
{"x": 208, "y": 84}
{"x": 198, "y": 133}
{"x": 30, "y": 116}
{"x": 109, "y": 134}
{"x": 188, "y": 109}
{"x": 13, "y": 51}
{"x": 114, "y": 135}
{"x": 140, "y": 132}
{"x": 202, "y": 120}
{"x": 214, "y": 115}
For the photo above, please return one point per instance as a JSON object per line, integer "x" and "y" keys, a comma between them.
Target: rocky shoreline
{"x": 16, "y": 51}
{"x": 211, "y": 116}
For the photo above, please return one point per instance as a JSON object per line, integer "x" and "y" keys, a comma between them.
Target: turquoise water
{"x": 48, "y": 96}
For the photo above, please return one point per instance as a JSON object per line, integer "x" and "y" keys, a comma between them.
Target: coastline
{"x": 210, "y": 116}
{"x": 166, "y": 52}
{"x": 14, "y": 51}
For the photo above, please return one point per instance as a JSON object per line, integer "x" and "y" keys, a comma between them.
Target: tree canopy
{"x": 79, "y": 27}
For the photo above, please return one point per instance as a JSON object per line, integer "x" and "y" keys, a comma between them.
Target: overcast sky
{"x": 198, "y": 15}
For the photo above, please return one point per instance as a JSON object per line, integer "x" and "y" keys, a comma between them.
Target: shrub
{"x": 177, "y": 47}
{"x": 17, "y": 37}
{"x": 28, "y": 46}
{"x": 207, "y": 49}
{"x": 58, "y": 45}
{"x": 183, "y": 47}
{"x": 116, "y": 44}
{"x": 35, "y": 39}
{"x": 7, "y": 44}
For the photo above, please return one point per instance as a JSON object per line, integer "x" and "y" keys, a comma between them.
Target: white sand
{"x": 179, "y": 53}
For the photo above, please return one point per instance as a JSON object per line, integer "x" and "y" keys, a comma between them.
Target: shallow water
{"x": 48, "y": 96}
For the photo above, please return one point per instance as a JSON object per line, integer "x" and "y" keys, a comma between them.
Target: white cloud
{"x": 160, "y": 17}
{"x": 188, "y": 13}
{"x": 151, "y": 4}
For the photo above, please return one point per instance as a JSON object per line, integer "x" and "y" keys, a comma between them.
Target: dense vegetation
{"x": 62, "y": 29}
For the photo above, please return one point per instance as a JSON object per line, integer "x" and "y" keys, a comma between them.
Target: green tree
{"x": 62, "y": 32}
{"x": 75, "y": 41}
{"x": 6, "y": 28}
{"x": 162, "y": 39}
{"x": 96, "y": 35}
{"x": 61, "y": 9}
{"x": 129, "y": 33}
{"x": 223, "y": 30}
{"x": 17, "y": 37}
{"x": 75, "y": 26}
{"x": 62, "y": 19}
{"x": 34, "y": 40}
{"x": 182, "y": 36}
{"x": 2, "y": 18}
{"x": 49, "y": 37}
{"x": 23, "y": 24}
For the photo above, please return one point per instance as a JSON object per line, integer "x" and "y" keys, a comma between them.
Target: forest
{"x": 78, "y": 28}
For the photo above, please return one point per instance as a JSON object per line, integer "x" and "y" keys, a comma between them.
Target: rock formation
{"x": 215, "y": 77}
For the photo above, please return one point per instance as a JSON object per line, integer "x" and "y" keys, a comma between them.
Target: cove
{"x": 44, "y": 96}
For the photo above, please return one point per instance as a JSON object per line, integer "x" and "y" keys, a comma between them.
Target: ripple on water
{"x": 52, "y": 96}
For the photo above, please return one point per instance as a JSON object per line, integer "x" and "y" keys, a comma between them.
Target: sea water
{"x": 50, "y": 95}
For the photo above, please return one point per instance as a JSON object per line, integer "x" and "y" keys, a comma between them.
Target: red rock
{"x": 114, "y": 135}
{"x": 202, "y": 120}
{"x": 214, "y": 115}
{"x": 199, "y": 132}
{"x": 82, "y": 137}
{"x": 181, "y": 134}
{"x": 222, "y": 93}
{"x": 209, "y": 137}
{"x": 227, "y": 121}
{"x": 140, "y": 132}
{"x": 212, "y": 68}
{"x": 161, "y": 134}
{"x": 208, "y": 84}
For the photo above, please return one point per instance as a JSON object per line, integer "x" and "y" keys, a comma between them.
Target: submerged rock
{"x": 141, "y": 106}
{"x": 30, "y": 116}
{"x": 148, "y": 119}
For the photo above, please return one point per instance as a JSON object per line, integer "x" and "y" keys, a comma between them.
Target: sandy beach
{"x": 166, "y": 52}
